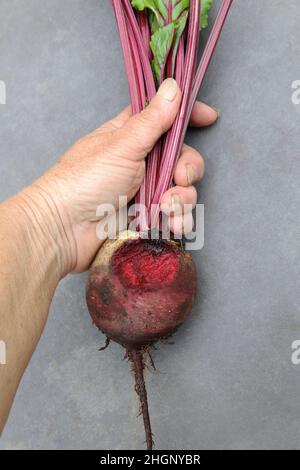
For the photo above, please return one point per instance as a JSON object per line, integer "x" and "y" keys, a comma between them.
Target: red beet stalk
{"x": 135, "y": 32}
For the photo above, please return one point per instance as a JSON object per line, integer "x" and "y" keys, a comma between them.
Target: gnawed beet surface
{"x": 145, "y": 264}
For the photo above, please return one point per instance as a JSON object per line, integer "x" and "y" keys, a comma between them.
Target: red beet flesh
{"x": 141, "y": 291}
{"x": 145, "y": 265}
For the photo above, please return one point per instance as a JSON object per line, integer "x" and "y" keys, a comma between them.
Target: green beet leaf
{"x": 206, "y": 6}
{"x": 156, "y": 6}
{"x": 161, "y": 44}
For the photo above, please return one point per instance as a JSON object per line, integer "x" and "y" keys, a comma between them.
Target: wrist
{"x": 44, "y": 229}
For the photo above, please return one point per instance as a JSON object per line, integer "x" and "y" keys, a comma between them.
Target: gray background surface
{"x": 228, "y": 383}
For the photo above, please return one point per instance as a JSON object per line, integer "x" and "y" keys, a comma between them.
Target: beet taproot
{"x": 140, "y": 291}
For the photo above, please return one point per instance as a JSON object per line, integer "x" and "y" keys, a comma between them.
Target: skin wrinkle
{"x": 45, "y": 228}
{"x": 67, "y": 236}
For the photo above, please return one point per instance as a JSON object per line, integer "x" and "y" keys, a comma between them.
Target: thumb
{"x": 139, "y": 135}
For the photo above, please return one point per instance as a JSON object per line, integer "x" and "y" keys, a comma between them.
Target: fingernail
{"x": 176, "y": 206}
{"x": 191, "y": 174}
{"x": 217, "y": 111}
{"x": 168, "y": 89}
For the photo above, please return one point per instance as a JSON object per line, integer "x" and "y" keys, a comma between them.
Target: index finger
{"x": 203, "y": 115}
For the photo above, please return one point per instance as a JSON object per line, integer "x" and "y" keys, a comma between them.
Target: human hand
{"x": 110, "y": 162}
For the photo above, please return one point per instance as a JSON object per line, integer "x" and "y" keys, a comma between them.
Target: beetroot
{"x": 140, "y": 291}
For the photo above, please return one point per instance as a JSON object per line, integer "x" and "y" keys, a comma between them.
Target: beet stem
{"x": 136, "y": 357}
